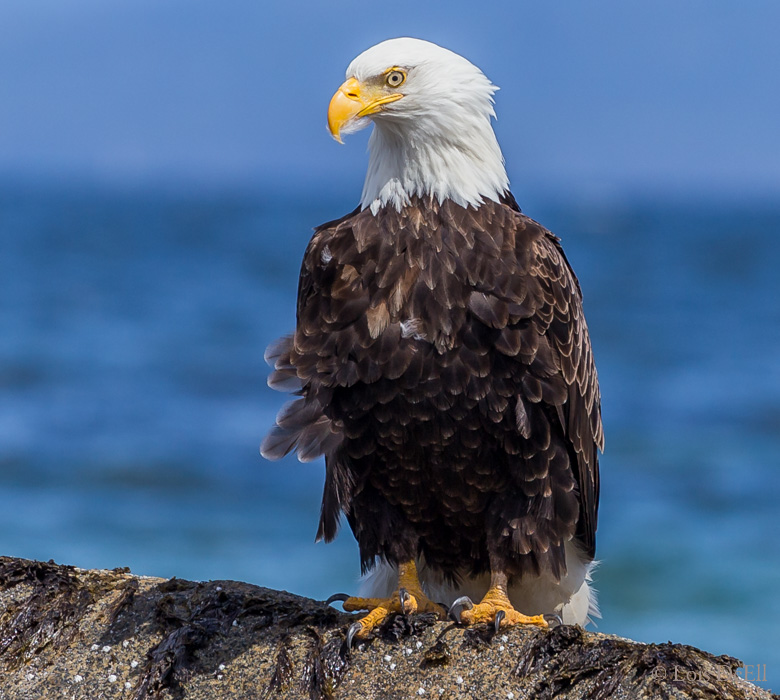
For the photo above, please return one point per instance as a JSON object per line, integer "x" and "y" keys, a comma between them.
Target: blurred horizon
{"x": 600, "y": 99}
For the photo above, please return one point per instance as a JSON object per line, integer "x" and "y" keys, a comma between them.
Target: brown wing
{"x": 301, "y": 425}
{"x": 567, "y": 333}
{"x": 530, "y": 297}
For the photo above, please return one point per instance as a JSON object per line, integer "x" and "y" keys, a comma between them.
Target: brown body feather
{"x": 446, "y": 374}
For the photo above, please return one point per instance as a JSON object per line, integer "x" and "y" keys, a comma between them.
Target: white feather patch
{"x": 413, "y": 328}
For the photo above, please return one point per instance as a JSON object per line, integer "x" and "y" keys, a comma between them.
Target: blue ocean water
{"x": 133, "y": 399}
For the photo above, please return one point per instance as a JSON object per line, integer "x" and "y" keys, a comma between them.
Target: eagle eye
{"x": 395, "y": 78}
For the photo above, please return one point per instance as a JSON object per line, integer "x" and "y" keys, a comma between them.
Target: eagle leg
{"x": 408, "y": 598}
{"x": 495, "y": 608}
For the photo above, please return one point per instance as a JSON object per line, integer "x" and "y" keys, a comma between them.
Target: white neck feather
{"x": 457, "y": 159}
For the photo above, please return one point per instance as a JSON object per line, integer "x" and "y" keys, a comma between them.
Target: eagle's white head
{"x": 433, "y": 135}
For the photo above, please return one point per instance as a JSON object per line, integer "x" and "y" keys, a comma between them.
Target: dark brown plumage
{"x": 446, "y": 373}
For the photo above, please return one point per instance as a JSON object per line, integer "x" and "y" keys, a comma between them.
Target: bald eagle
{"x": 443, "y": 364}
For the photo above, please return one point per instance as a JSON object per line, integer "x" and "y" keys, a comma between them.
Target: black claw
{"x": 337, "y": 596}
{"x": 446, "y": 607}
{"x": 354, "y": 628}
{"x": 462, "y": 602}
{"x": 553, "y": 620}
{"x": 500, "y": 615}
{"x": 403, "y": 594}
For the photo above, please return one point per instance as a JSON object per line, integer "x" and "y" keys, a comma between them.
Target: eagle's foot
{"x": 494, "y": 608}
{"x": 407, "y": 599}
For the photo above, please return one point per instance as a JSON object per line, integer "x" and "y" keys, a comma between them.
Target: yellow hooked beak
{"x": 354, "y": 100}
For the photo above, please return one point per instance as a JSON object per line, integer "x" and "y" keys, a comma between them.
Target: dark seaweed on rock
{"x": 124, "y": 601}
{"x": 191, "y": 615}
{"x": 283, "y": 671}
{"x": 478, "y": 636}
{"x": 324, "y": 667}
{"x": 398, "y": 627}
{"x": 47, "y": 617}
{"x": 560, "y": 659}
{"x": 438, "y": 655}
{"x": 194, "y": 616}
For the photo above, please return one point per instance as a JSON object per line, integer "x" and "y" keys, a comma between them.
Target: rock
{"x": 71, "y": 633}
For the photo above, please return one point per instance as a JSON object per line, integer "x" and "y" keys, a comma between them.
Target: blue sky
{"x": 603, "y": 97}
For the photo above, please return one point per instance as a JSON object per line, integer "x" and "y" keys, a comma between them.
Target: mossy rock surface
{"x": 72, "y": 633}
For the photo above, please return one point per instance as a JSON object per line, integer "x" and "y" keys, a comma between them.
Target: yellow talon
{"x": 497, "y": 609}
{"x": 407, "y": 599}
